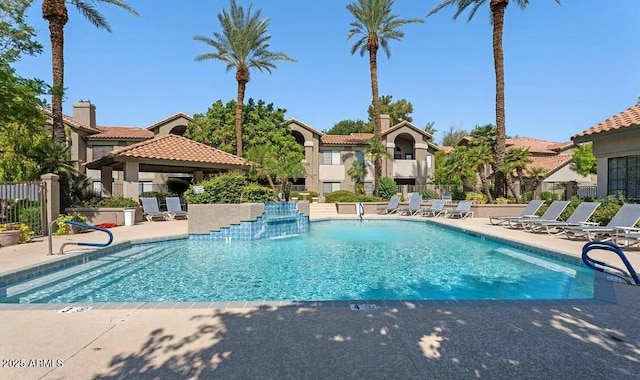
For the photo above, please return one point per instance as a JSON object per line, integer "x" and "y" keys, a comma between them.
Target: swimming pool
{"x": 337, "y": 260}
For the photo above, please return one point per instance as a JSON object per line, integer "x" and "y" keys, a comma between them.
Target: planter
{"x": 10, "y": 237}
{"x": 106, "y": 215}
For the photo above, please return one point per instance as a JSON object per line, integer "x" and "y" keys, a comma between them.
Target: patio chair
{"x": 462, "y": 210}
{"x": 414, "y": 205}
{"x": 626, "y": 237}
{"x": 579, "y": 217}
{"x": 447, "y": 197}
{"x": 530, "y": 211}
{"x": 625, "y": 218}
{"x": 391, "y": 207}
{"x": 151, "y": 209}
{"x": 437, "y": 208}
{"x": 174, "y": 208}
{"x": 552, "y": 214}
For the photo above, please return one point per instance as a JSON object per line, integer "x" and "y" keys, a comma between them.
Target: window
{"x": 624, "y": 176}
{"x": 100, "y": 151}
{"x": 408, "y": 156}
{"x": 359, "y": 155}
{"x": 368, "y": 188}
{"x": 331, "y": 157}
{"x": 145, "y": 186}
{"x": 397, "y": 156}
{"x": 330, "y": 187}
{"x": 97, "y": 187}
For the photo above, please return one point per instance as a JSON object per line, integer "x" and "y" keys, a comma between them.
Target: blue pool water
{"x": 337, "y": 260}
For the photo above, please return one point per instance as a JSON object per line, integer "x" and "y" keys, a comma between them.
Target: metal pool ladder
{"x": 83, "y": 225}
{"x": 629, "y": 276}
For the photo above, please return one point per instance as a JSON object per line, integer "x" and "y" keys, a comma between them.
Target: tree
{"x": 357, "y": 172}
{"x": 276, "y": 167}
{"x": 55, "y": 12}
{"x": 376, "y": 26}
{"x": 346, "y": 127}
{"x": 376, "y": 151}
{"x": 583, "y": 161}
{"x": 16, "y": 36}
{"x": 476, "y": 158}
{"x": 453, "y": 135}
{"x": 497, "y": 8}
{"x": 516, "y": 160}
{"x": 243, "y": 45}
{"x": 263, "y": 124}
{"x": 398, "y": 111}
{"x": 537, "y": 173}
{"x": 430, "y": 128}
{"x": 457, "y": 169}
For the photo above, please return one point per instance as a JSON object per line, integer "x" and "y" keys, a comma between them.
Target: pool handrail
{"x": 83, "y": 225}
{"x": 629, "y": 276}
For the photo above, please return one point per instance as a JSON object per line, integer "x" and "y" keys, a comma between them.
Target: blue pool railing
{"x": 83, "y": 225}
{"x": 629, "y": 276}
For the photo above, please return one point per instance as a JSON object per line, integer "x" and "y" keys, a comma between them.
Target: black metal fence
{"x": 22, "y": 203}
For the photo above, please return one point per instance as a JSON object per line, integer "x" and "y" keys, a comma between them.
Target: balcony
{"x": 405, "y": 169}
{"x": 331, "y": 173}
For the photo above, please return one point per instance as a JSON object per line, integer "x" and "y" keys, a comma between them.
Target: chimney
{"x": 385, "y": 122}
{"x": 85, "y": 113}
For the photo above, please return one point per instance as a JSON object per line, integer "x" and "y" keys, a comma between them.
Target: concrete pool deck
{"x": 572, "y": 339}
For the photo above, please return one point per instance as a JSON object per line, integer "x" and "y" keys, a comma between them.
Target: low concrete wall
{"x": 479, "y": 210}
{"x": 104, "y": 215}
{"x": 303, "y": 207}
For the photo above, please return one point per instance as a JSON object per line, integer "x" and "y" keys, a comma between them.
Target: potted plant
{"x": 14, "y": 233}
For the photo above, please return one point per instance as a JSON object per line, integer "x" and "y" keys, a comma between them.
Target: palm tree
{"x": 497, "y": 8}
{"x": 376, "y": 26}
{"x": 55, "y": 12}
{"x": 376, "y": 151}
{"x": 516, "y": 160}
{"x": 537, "y": 173}
{"x": 243, "y": 45}
{"x": 357, "y": 172}
{"x": 264, "y": 157}
{"x": 476, "y": 158}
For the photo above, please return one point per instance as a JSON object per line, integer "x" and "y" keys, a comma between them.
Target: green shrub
{"x": 340, "y": 196}
{"x": 296, "y": 194}
{"x": 253, "y": 193}
{"x": 31, "y": 216}
{"x": 223, "y": 188}
{"x": 156, "y": 194}
{"x": 549, "y": 196}
{"x": 117, "y": 202}
{"x": 387, "y": 188}
{"x": 458, "y": 195}
{"x": 475, "y": 197}
{"x": 429, "y": 194}
{"x": 502, "y": 201}
{"x": 63, "y": 228}
{"x": 25, "y": 230}
{"x": 177, "y": 186}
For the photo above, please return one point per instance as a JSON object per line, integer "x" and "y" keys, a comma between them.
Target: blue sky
{"x": 567, "y": 67}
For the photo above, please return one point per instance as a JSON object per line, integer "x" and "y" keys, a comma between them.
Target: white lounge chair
{"x": 462, "y": 210}
{"x": 174, "y": 208}
{"x": 414, "y": 205}
{"x": 579, "y": 217}
{"x": 530, "y": 211}
{"x": 437, "y": 208}
{"x": 391, "y": 207}
{"x": 626, "y": 217}
{"x": 552, "y": 214}
{"x": 151, "y": 209}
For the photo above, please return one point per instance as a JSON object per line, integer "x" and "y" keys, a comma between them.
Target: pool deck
{"x": 571, "y": 339}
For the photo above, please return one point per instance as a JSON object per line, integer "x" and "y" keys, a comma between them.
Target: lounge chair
{"x": 579, "y": 217}
{"x": 552, "y": 214}
{"x": 530, "y": 211}
{"x": 437, "y": 208}
{"x": 626, "y": 237}
{"x": 391, "y": 207}
{"x": 151, "y": 209}
{"x": 414, "y": 205}
{"x": 626, "y": 217}
{"x": 461, "y": 211}
{"x": 174, "y": 208}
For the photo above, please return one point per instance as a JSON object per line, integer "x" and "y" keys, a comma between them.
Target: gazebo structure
{"x": 166, "y": 154}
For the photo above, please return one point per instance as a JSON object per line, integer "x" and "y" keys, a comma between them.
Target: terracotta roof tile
{"x": 72, "y": 122}
{"x": 534, "y": 145}
{"x": 549, "y": 163}
{"x": 446, "y": 148}
{"x": 352, "y": 139}
{"x": 121, "y": 132}
{"x": 178, "y": 148}
{"x": 624, "y": 119}
{"x": 169, "y": 118}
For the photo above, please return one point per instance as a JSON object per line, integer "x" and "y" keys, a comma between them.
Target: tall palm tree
{"x": 243, "y": 45}
{"x": 497, "y": 8}
{"x": 376, "y": 26}
{"x": 55, "y": 12}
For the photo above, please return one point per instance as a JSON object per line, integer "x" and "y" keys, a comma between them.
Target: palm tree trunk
{"x": 55, "y": 12}
{"x": 377, "y": 126}
{"x": 498, "y": 8}
{"x": 485, "y": 184}
{"x": 510, "y": 187}
{"x": 242, "y": 76}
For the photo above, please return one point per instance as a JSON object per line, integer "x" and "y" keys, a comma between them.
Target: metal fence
{"x": 22, "y": 203}
{"x": 587, "y": 191}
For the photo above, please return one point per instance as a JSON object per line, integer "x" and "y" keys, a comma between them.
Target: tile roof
{"x": 304, "y": 125}
{"x": 534, "y": 145}
{"x": 177, "y": 148}
{"x": 122, "y": 133}
{"x": 169, "y": 118}
{"x": 352, "y": 139}
{"x": 622, "y": 120}
{"x": 72, "y": 122}
{"x": 446, "y": 148}
{"x": 549, "y": 163}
